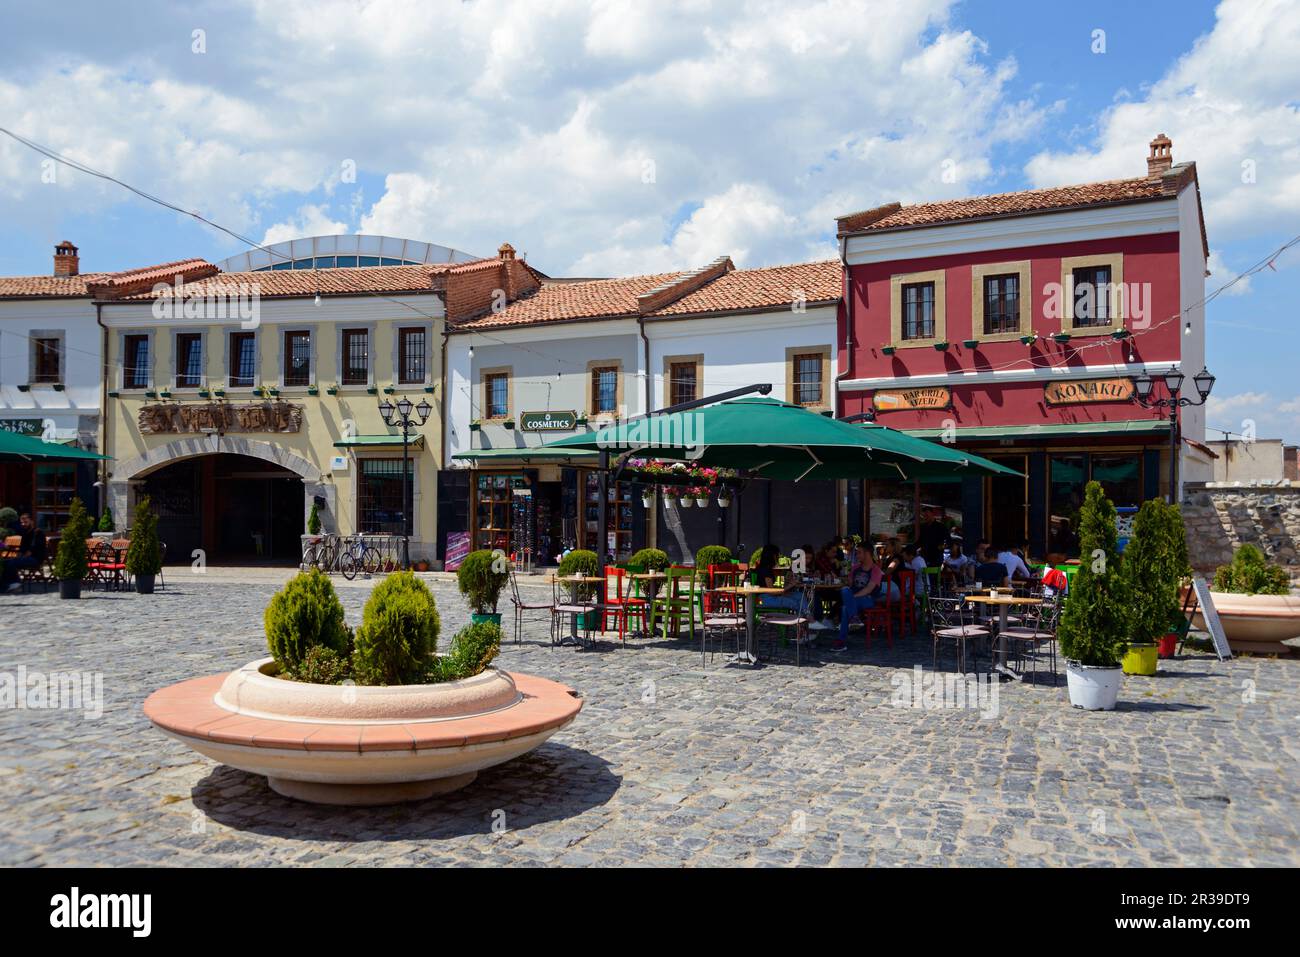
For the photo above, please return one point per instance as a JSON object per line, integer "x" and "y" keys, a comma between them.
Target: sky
{"x": 615, "y": 137}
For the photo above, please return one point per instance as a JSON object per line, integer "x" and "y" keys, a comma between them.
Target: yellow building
{"x": 237, "y": 401}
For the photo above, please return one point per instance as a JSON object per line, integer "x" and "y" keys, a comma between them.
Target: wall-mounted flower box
{"x": 1028, "y": 340}
{"x": 887, "y": 350}
{"x": 372, "y": 390}
{"x": 970, "y": 343}
{"x": 1061, "y": 337}
{"x": 428, "y": 388}
{"x": 389, "y": 389}
{"x": 258, "y": 391}
{"x": 219, "y": 393}
{"x": 165, "y": 394}
{"x": 476, "y": 426}
{"x": 313, "y": 390}
{"x": 273, "y": 391}
{"x": 150, "y": 394}
{"x": 58, "y": 386}
{"x": 113, "y": 394}
{"x": 508, "y": 423}
{"x": 580, "y": 421}
{"x": 941, "y": 347}
{"x": 1120, "y": 334}
{"x": 204, "y": 394}
{"x": 332, "y": 390}
{"x": 24, "y": 387}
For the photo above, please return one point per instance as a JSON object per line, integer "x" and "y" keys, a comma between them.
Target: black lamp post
{"x": 1173, "y": 380}
{"x": 400, "y": 415}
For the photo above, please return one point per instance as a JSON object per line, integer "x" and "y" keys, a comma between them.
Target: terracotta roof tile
{"x": 163, "y": 272}
{"x": 39, "y": 287}
{"x": 559, "y": 301}
{"x": 308, "y": 282}
{"x": 767, "y": 287}
{"x": 100, "y": 283}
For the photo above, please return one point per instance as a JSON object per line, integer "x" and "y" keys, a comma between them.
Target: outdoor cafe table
{"x": 749, "y": 655}
{"x": 577, "y": 580}
{"x": 1003, "y": 602}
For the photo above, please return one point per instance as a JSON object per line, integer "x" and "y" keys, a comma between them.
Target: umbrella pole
{"x": 602, "y": 527}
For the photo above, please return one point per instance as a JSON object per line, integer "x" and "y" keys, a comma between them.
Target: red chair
{"x": 881, "y": 615}
{"x": 725, "y": 576}
{"x": 906, "y": 601}
{"x": 624, "y": 605}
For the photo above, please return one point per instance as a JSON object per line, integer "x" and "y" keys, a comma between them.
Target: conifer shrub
{"x": 472, "y": 650}
{"x": 106, "y": 521}
{"x": 304, "y": 614}
{"x": 1096, "y": 620}
{"x": 71, "y": 564}
{"x": 481, "y": 582}
{"x": 398, "y": 634}
{"x": 144, "y": 554}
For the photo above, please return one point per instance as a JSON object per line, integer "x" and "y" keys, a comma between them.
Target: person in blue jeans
{"x": 859, "y": 595}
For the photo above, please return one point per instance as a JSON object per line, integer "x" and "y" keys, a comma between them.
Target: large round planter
{"x": 1256, "y": 624}
{"x": 353, "y": 745}
{"x": 493, "y": 618}
{"x": 1091, "y": 687}
{"x": 1167, "y": 647}
{"x": 1140, "y": 659}
{"x": 144, "y": 584}
{"x": 69, "y": 587}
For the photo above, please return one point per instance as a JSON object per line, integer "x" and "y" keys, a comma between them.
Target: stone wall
{"x": 1219, "y": 518}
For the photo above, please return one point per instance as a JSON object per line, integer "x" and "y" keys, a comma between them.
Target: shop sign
{"x": 1077, "y": 392}
{"x": 22, "y": 426}
{"x": 924, "y": 397}
{"x": 220, "y": 417}
{"x": 548, "y": 421}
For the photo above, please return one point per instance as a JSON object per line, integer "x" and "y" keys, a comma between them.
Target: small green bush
{"x": 1096, "y": 619}
{"x": 323, "y": 666}
{"x": 472, "y": 650}
{"x": 480, "y": 582}
{"x": 70, "y": 564}
{"x": 8, "y": 519}
{"x": 651, "y": 559}
{"x": 144, "y": 554}
{"x": 1154, "y": 564}
{"x": 580, "y": 560}
{"x": 712, "y": 555}
{"x": 106, "y": 521}
{"x": 1251, "y": 574}
{"x": 305, "y": 613}
{"x": 398, "y": 634}
{"x": 313, "y": 520}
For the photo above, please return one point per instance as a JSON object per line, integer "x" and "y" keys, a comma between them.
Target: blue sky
{"x": 615, "y": 137}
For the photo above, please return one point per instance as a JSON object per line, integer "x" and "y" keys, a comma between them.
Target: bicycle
{"x": 318, "y": 554}
{"x": 356, "y": 555}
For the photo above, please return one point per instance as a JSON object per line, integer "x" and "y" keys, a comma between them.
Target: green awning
{"x": 1133, "y": 427}
{"x": 535, "y": 454}
{"x": 417, "y": 441}
{"x": 778, "y": 440}
{"x": 30, "y": 448}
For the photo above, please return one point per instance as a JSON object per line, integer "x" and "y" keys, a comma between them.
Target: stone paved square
{"x": 669, "y": 763}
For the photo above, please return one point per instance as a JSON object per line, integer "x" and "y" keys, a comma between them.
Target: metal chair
{"x": 950, "y": 621}
{"x": 1039, "y": 629}
{"x": 783, "y": 618}
{"x": 578, "y": 602}
{"x": 522, "y": 607}
{"x": 720, "y": 616}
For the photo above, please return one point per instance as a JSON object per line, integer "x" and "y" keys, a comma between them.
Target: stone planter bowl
{"x": 1256, "y": 623}
{"x": 354, "y": 745}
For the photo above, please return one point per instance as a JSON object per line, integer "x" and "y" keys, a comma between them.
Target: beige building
{"x": 1248, "y": 463}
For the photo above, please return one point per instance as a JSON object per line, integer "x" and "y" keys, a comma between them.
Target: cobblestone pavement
{"x": 670, "y": 762}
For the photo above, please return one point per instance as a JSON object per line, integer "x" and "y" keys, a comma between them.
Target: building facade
{"x": 1013, "y": 325}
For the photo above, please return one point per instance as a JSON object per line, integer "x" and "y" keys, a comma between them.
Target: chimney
{"x": 1161, "y": 156}
{"x": 506, "y": 251}
{"x": 66, "y": 261}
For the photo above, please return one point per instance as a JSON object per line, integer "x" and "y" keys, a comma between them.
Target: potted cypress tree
{"x": 1151, "y": 574}
{"x": 144, "y": 554}
{"x": 71, "y": 564}
{"x": 1095, "y": 621}
{"x": 480, "y": 579}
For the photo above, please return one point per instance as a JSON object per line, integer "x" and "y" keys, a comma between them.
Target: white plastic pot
{"x": 702, "y": 501}
{"x": 686, "y": 501}
{"x": 1093, "y": 687}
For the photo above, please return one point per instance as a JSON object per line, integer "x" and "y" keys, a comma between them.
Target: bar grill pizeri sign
{"x": 923, "y": 397}
{"x": 548, "y": 421}
{"x": 1080, "y": 391}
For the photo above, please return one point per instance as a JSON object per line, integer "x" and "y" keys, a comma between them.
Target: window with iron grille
{"x": 411, "y": 345}
{"x": 135, "y": 362}
{"x": 496, "y": 393}
{"x": 356, "y": 357}
{"x": 47, "y": 360}
{"x": 297, "y": 358}
{"x": 380, "y": 495}
{"x": 1091, "y": 296}
{"x": 604, "y": 389}
{"x": 808, "y": 379}
{"x": 243, "y": 359}
{"x": 682, "y": 384}
{"x": 189, "y": 360}
{"x": 918, "y": 310}
{"x": 1001, "y": 304}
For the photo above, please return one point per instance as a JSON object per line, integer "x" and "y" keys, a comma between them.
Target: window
{"x": 46, "y": 360}
{"x": 381, "y": 496}
{"x": 683, "y": 383}
{"x": 411, "y": 345}
{"x": 1091, "y": 296}
{"x": 297, "y": 358}
{"x": 189, "y": 360}
{"x": 243, "y": 360}
{"x": 1001, "y": 304}
{"x": 918, "y": 310}
{"x": 56, "y": 484}
{"x": 496, "y": 395}
{"x": 604, "y": 389}
{"x": 356, "y": 357}
{"x": 808, "y": 378}
{"x": 135, "y": 362}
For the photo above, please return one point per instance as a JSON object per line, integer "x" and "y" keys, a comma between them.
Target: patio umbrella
{"x": 15, "y": 447}
{"x": 778, "y": 440}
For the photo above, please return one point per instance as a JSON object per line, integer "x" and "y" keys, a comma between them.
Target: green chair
{"x": 677, "y": 598}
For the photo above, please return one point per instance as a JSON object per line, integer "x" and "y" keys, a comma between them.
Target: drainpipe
{"x": 640, "y": 325}
{"x": 848, "y": 320}
{"x": 103, "y": 411}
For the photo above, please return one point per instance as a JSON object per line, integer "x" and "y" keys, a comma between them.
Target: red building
{"x": 1013, "y": 325}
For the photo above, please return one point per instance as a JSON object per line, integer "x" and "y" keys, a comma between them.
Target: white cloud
{"x": 1221, "y": 272}
{"x": 310, "y": 221}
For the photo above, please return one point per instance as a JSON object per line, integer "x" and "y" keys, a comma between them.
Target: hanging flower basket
{"x": 702, "y": 501}
{"x": 648, "y": 499}
{"x": 724, "y": 500}
{"x": 686, "y": 501}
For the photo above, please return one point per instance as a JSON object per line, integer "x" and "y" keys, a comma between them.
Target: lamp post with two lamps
{"x": 408, "y": 418}
{"x": 1173, "y": 380}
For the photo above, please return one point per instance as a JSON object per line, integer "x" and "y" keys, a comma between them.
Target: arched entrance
{"x": 238, "y": 500}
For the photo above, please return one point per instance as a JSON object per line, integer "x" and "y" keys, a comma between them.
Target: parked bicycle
{"x": 356, "y": 556}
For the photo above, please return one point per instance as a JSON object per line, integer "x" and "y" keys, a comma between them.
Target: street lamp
{"x": 1173, "y": 379}
{"x": 400, "y": 416}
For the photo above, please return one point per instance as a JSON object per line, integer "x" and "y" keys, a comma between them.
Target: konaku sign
{"x": 1088, "y": 390}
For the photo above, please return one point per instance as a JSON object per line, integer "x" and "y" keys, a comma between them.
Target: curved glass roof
{"x": 343, "y": 251}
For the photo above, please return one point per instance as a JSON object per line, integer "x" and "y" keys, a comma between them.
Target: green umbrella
{"x": 779, "y": 440}
{"x": 15, "y": 446}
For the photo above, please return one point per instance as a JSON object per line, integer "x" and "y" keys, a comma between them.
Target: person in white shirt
{"x": 1014, "y": 564}
{"x": 916, "y": 562}
{"x": 960, "y": 564}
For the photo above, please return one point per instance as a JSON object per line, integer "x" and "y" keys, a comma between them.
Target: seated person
{"x": 769, "y": 574}
{"x": 891, "y": 562}
{"x": 31, "y": 553}
{"x": 1015, "y": 565}
{"x": 992, "y": 574}
{"x": 863, "y": 590}
{"x": 959, "y": 565}
{"x": 827, "y": 560}
{"x": 915, "y": 561}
